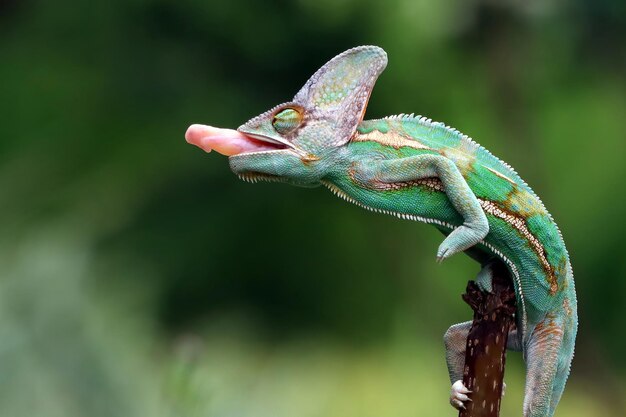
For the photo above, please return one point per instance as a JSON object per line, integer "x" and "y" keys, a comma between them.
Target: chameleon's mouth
{"x": 230, "y": 142}
{"x": 254, "y": 177}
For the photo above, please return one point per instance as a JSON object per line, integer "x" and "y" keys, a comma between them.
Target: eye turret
{"x": 287, "y": 120}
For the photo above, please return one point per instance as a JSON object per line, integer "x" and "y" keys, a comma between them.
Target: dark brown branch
{"x": 486, "y": 343}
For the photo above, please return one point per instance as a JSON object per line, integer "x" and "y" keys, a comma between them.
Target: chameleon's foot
{"x": 462, "y": 238}
{"x": 458, "y": 395}
{"x": 484, "y": 278}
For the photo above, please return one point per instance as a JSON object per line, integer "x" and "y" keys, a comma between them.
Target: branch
{"x": 485, "y": 353}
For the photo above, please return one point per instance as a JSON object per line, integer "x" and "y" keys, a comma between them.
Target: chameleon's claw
{"x": 442, "y": 254}
{"x": 458, "y": 395}
{"x": 457, "y": 404}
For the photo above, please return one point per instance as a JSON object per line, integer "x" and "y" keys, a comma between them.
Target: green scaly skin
{"x": 421, "y": 170}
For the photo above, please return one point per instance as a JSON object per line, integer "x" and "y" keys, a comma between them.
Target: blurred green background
{"x": 139, "y": 277}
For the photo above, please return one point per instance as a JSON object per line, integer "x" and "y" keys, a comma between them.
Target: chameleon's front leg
{"x": 474, "y": 227}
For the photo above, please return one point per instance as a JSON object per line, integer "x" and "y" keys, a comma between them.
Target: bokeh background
{"x": 139, "y": 277}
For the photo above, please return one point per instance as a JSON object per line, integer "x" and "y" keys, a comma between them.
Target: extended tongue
{"x": 225, "y": 141}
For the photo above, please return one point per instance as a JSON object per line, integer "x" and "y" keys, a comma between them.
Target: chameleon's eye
{"x": 287, "y": 120}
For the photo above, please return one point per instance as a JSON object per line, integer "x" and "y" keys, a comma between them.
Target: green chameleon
{"x": 416, "y": 169}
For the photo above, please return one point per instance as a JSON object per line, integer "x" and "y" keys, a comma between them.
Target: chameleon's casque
{"x": 416, "y": 169}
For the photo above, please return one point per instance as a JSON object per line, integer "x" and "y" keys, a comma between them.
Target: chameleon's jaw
{"x": 252, "y": 157}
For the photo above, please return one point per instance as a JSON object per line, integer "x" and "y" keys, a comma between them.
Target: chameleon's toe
{"x": 443, "y": 253}
{"x": 458, "y": 395}
{"x": 447, "y": 248}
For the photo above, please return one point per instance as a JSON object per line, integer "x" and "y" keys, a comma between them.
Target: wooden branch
{"x": 486, "y": 343}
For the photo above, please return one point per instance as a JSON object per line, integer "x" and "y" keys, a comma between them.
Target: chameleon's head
{"x": 295, "y": 137}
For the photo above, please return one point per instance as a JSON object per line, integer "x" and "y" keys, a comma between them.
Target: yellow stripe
{"x": 392, "y": 139}
{"x": 501, "y": 175}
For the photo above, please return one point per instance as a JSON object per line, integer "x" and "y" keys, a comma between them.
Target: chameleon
{"x": 418, "y": 169}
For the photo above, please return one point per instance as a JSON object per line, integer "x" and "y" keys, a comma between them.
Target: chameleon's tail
{"x": 548, "y": 356}
{"x": 566, "y": 354}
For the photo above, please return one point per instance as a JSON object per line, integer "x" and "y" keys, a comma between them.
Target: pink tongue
{"x": 225, "y": 141}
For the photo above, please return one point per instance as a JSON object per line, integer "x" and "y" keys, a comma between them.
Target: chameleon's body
{"x": 521, "y": 233}
{"x": 421, "y": 170}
